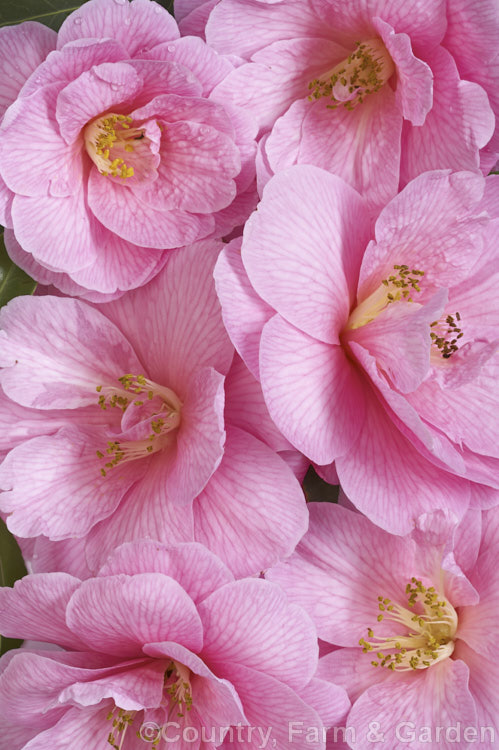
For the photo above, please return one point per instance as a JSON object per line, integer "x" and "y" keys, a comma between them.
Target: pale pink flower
{"x": 162, "y": 634}
{"x": 415, "y": 620}
{"x": 112, "y": 150}
{"x": 370, "y": 90}
{"x": 114, "y": 423}
{"x": 377, "y": 354}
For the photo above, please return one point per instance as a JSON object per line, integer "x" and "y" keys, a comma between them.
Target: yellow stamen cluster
{"x": 447, "y": 346}
{"x": 429, "y": 636}
{"x": 105, "y": 140}
{"x": 179, "y": 691}
{"x": 363, "y": 72}
{"x": 111, "y": 396}
{"x": 121, "y": 722}
{"x": 402, "y": 283}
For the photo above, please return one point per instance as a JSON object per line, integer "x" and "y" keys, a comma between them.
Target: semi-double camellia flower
{"x": 163, "y": 643}
{"x": 112, "y": 151}
{"x": 374, "y": 91}
{"x": 416, "y": 622}
{"x": 115, "y": 425}
{"x": 380, "y": 355}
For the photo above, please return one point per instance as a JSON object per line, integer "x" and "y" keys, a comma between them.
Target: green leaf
{"x": 13, "y": 281}
{"x": 11, "y": 568}
{"x": 49, "y": 12}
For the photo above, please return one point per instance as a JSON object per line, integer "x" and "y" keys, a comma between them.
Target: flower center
{"x": 177, "y": 694}
{"x": 397, "y": 287}
{"x": 155, "y": 415}
{"x": 362, "y": 73}
{"x": 109, "y": 141}
{"x": 429, "y": 626}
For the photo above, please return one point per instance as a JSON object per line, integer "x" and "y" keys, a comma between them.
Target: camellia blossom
{"x": 367, "y": 89}
{"x": 378, "y": 354}
{"x": 112, "y": 150}
{"x": 163, "y": 643}
{"x": 116, "y": 431}
{"x": 415, "y": 620}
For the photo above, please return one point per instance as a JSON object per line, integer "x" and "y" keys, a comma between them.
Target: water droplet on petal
{"x": 171, "y": 48}
{"x": 120, "y": 2}
{"x": 115, "y": 87}
{"x": 127, "y": 21}
{"x": 77, "y": 20}
{"x": 157, "y": 8}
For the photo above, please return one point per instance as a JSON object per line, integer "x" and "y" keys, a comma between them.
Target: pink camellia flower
{"x": 366, "y": 89}
{"x": 163, "y": 643}
{"x": 377, "y": 354}
{"x": 414, "y": 620}
{"x": 115, "y": 425}
{"x": 112, "y": 150}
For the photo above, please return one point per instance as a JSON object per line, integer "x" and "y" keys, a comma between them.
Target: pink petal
{"x": 135, "y": 25}
{"x": 277, "y": 75}
{"x": 430, "y": 443}
{"x": 200, "y": 438}
{"x": 103, "y": 88}
{"x": 306, "y": 270}
{"x": 274, "y": 21}
{"x": 388, "y": 480}
{"x": 83, "y": 728}
{"x": 67, "y": 555}
{"x": 181, "y": 313}
{"x": 437, "y": 697}
{"x": 477, "y": 624}
{"x": 216, "y": 701}
{"x": 120, "y": 266}
{"x": 35, "y": 167}
{"x": 147, "y": 512}
{"x": 414, "y": 92}
{"x": 60, "y": 232}
{"x": 362, "y": 146}
{"x": 57, "y": 351}
{"x": 198, "y": 571}
{"x": 434, "y": 224}
{"x": 121, "y": 211}
{"x": 245, "y": 407}
{"x": 329, "y": 700}
{"x": 484, "y": 684}
{"x": 312, "y": 391}
{"x": 398, "y": 339}
{"x": 35, "y": 608}
{"x": 251, "y": 623}
{"x": 6, "y": 198}
{"x": 449, "y": 137}
{"x": 208, "y": 67}
{"x": 54, "y": 486}
{"x": 351, "y": 669}
{"x": 340, "y": 568}
{"x": 65, "y": 65}
{"x": 425, "y": 25}
{"x": 28, "y": 45}
{"x": 244, "y": 312}
{"x": 198, "y": 164}
{"x": 119, "y": 614}
{"x": 63, "y": 281}
{"x": 283, "y": 717}
{"x": 250, "y": 519}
